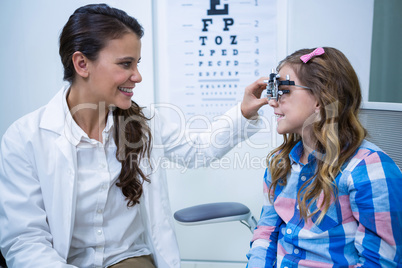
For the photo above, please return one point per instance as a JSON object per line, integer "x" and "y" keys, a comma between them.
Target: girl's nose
{"x": 273, "y": 103}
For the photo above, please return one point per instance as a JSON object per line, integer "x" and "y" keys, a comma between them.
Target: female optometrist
{"x": 78, "y": 188}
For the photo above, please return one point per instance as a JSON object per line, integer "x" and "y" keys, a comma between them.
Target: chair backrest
{"x": 385, "y": 130}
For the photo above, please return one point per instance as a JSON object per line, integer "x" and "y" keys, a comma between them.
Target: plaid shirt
{"x": 362, "y": 228}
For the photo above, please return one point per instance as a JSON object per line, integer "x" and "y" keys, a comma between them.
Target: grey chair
{"x": 215, "y": 213}
{"x": 384, "y": 128}
{"x": 2, "y": 261}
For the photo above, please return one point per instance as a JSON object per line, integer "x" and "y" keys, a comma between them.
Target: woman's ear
{"x": 80, "y": 64}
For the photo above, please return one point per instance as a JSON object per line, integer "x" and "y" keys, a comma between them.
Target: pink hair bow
{"x": 318, "y": 51}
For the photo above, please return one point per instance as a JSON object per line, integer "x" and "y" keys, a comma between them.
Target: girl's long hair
{"x": 337, "y": 130}
{"x": 88, "y": 30}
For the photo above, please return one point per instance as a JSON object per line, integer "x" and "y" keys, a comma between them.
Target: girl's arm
{"x": 264, "y": 243}
{"x": 375, "y": 186}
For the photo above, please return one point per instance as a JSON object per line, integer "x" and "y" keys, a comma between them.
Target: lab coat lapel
{"x": 66, "y": 196}
{"x": 64, "y": 177}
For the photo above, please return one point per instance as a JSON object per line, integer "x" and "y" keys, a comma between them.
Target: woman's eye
{"x": 126, "y": 64}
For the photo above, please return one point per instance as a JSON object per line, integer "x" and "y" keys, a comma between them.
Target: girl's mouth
{"x": 279, "y": 116}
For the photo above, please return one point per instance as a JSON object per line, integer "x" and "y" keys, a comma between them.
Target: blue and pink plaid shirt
{"x": 362, "y": 228}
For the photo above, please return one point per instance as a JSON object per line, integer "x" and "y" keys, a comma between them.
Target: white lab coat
{"x": 38, "y": 185}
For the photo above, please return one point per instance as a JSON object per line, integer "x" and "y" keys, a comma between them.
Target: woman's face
{"x": 114, "y": 74}
{"x": 295, "y": 110}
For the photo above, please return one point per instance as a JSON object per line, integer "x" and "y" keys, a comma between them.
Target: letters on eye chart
{"x": 217, "y": 48}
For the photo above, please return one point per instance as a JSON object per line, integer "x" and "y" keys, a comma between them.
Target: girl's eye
{"x": 282, "y": 93}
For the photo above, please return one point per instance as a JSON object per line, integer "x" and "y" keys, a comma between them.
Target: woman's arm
{"x": 25, "y": 236}
{"x": 198, "y": 146}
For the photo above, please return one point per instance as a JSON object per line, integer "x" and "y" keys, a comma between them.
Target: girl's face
{"x": 114, "y": 74}
{"x": 295, "y": 110}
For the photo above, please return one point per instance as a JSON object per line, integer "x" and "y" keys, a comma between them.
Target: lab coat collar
{"x": 54, "y": 115}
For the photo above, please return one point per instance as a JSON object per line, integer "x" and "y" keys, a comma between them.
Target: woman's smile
{"x": 128, "y": 91}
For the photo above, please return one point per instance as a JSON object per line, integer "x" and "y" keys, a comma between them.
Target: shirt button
{"x": 102, "y": 166}
{"x": 289, "y": 231}
{"x": 99, "y": 232}
{"x": 296, "y": 251}
{"x": 104, "y": 186}
{"x": 99, "y": 211}
{"x": 303, "y": 178}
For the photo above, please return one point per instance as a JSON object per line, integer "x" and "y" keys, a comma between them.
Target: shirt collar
{"x": 296, "y": 153}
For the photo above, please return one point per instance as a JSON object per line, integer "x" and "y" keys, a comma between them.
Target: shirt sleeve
{"x": 264, "y": 242}
{"x": 198, "y": 146}
{"x": 375, "y": 187}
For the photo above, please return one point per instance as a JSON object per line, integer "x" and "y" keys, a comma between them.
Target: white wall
{"x": 345, "y": 25}
{"x": 31, "y": 73}
{"x": 30, "y": 66}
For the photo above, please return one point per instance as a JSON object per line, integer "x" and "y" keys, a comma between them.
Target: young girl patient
{"x": 331, "y": 198}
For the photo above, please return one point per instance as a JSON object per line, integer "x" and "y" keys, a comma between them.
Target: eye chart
{"x": 215, "y": 48}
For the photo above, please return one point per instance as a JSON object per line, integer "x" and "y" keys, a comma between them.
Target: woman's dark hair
{"x": 88, "y": 30}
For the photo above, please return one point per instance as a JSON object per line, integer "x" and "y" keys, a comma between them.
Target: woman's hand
{"x": 251, "y": 100}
